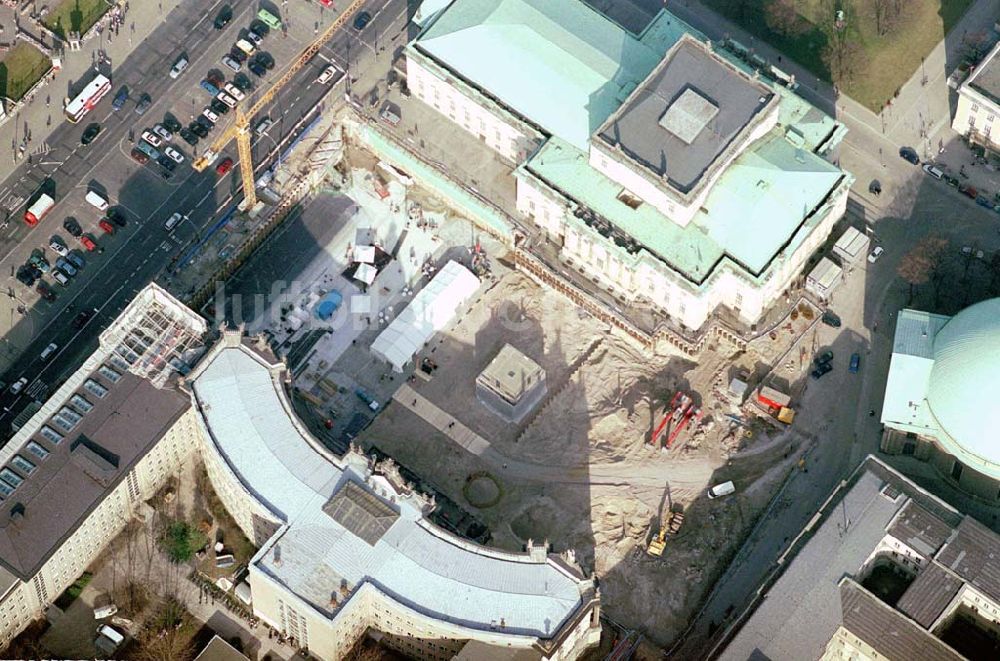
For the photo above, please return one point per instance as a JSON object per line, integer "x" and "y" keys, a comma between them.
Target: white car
{"x": 327, "y": 74}
{"x": 210, "y": 116}
{"x": 151, "y": 138}
{"x": 179, "y": 66}
{"x": 231, "y": 63}
{"x": 234, "y": 91}
{"x": 161, "y": 130}
{"x": 18, "y": 385}
{"x": 228, "y": 100}
{"x": 58, "y": 247}
{"x": 174, "y": 155}
{"x": 875, "y": 254}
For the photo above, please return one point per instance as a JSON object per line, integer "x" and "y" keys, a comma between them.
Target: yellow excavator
{"x": 667, "y": 528}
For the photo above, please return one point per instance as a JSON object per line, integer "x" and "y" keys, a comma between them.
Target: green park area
{"x": 868, "y": 48}
{"x": 75, "y": 16}
{"x": 20, "y": 68}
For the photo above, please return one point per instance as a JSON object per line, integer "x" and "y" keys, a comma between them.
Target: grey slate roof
{"x": 81, "y": 470}
{"x": 888, "y": 631}
{"x": 638, "y": 126}
{"x": 974, "y": 554}
{"x": 929, "y": 594}
{"x": 360, "y": 513}
{"x": 920, "y": 530}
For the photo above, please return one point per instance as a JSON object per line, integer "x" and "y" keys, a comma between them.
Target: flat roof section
{"x": 986, "y": 79}
{"x": 79, "y": 471}
{"x": 510, "y": 374}
{"x": 752, "y": 213}
{"x": 557, "y": 63}
{"x": 685, "y": 114}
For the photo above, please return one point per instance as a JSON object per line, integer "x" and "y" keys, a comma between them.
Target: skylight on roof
{"x": 10, "y": 477}
{"x": 95, "y": 388}
{"x": 110, "y": 374}
{"x": 22, "y": 464}
{"x": 37, "y": 450}
{"x": 688, "y": 115}
{"x": 50, "y": 434}
{"x": 119, "y": 363}
{"x": 81, "y": 404}
{"x": 5, "y": 489}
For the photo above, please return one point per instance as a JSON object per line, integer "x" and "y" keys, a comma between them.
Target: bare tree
{"x": 782, "y": 17}
{"x": 842, "y": 55}
{"x": 886, "y": 14}
{"x": 917, "y": 265}
{"x": 165, "y": 637}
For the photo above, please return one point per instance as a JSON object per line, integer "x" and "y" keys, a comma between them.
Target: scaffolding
{"x": 156, "y": 335}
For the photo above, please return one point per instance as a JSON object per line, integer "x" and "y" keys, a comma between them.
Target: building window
{"x": 990, "y": 118}
{"x": 975, "y": 107}
{"x": 972, "y": 121}
{"x": 739, "y": 300}
{"x": 956, "y": 470}
{"x": 629, "y": 200}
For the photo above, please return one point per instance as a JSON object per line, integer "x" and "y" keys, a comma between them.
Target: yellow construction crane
{"x": 241, "y": 128}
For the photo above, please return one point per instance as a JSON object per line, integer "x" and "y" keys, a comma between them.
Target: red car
{"x": 139, "y": 157}
{"x": 88, "y": 243}
{"x": 106, "y": 226}
{"x": 225, "y": 166}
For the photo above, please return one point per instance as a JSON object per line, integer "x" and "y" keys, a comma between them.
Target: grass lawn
{"x": 21, "y": 67}
{"x": 884, "y": 63}
{"x": 75, "y": 16}
{"x": 73, "y": 591}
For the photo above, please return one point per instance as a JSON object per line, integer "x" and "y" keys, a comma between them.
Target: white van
{"x": 179, "y": 66}
{"x": 720, "y": 490}
{"x": 97, "y": 201}
{"x": 105, "y": 611}
{"x": 60, "y": 277}
{"x": 172, "y": 221}
{"x": 933, "y": 170}
{"x": 49, "y": 350}
{"x": 111, "y": 634}
{"x": 245, "y": 46}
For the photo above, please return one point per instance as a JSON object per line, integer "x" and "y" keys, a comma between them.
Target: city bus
{"x": 269, "y": 19}
{"x": 88, "y": 98}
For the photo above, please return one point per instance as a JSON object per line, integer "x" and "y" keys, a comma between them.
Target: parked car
{"x": 138, "y": 156}
{"x": 254, "y": 38}
{"x": 58, "y": 247}
{"x": 855, "y": 363}
{"x": 224, "y": 166}
{"x": 106, "y": 226}
{"x": 189, "y": 137}
{"x": 909, "y": 154}
{"x": 198, "y": 129}
{"x": 968, "y": 191}
{"x": 231, "y": 63}
{"x": 171, "y": 123}
{"x": 226, "y": 99}
{"x": 263, "y": 125}
{"x": 18, "y": 385}
{"x": 362, "y": 20}
{"x": 80, "y": 320}
{"x": 234, "y": 91}
{"x": 120, "y": 99}
{"x": 218, "y": 107}
{"x": 210, "y": 116}
{"x": 223, "y": 17}
{"x": 166, "y": 163}
{"x": 45, "y": 291}
{"x": 174, "y": 155}
{"x": 77, "y": 260}
{"x": 152, "y": 138}
{"x": 38, "y": 260}
{"x": 327, "y": 74}
{"x": 90, "y": 133}
{"x": 821, "y": 370}
{"x": 88, "y": 243}
{"x": 73, "y": 227}
{"x": 238, "y": 55}
{"x": 143, "y": 105}
{"x": 952, "y": 181}
{"x": 179, "y": 66}
{"x": 27, "y": 274}
{"x": 265, "y": 60}
{"x": 875, "y": 254}
{"x": 933, "y": 170}
{"x": 257, "y": 69}
{"x": 162, "y": 132}
{"x": 63, "y": 265}
{"x": 824, "y": 357}
{"x": 243, "y": 83}
{"x": 260, "y": 28}
{"x": 984, "y": 201}
{"x": 830, "y": 319}
{"x": 209, "y": 87}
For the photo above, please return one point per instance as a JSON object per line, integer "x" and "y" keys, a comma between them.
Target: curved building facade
{"x": 345, "y": 545}
{"x": 942, "y": 394}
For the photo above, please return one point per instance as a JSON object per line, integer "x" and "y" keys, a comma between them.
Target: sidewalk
{"x": 41, "y": 118}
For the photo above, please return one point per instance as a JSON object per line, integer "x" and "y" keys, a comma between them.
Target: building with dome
{"x": 942, "y": 396}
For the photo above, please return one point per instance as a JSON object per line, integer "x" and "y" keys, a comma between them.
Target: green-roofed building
{"x": 667, "y": 171}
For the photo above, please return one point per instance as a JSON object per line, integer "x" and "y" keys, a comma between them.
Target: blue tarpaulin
{"x": 328, "y": 305}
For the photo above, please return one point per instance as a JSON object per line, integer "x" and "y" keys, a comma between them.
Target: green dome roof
{"x": 964, "y": 388}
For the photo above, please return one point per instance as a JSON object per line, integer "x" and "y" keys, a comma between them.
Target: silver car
{"x": 231, "y": 63}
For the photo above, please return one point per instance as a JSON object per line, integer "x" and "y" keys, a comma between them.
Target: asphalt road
{"x": 143, "y": 251}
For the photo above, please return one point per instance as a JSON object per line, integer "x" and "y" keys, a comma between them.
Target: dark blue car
{"x": 120, "y": 99}
{"x": 855, "y": 363}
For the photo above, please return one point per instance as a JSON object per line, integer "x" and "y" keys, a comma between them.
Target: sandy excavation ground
{"x": 578, "y": 471}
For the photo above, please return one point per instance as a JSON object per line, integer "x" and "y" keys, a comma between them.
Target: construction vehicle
{"x": 678, "y": 415}
{"x": 668, "y": 529}
{"x": 240, "y": 130}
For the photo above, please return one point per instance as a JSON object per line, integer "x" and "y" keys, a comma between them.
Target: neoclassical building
{"x": 942, "y": 395}
{"x": 345, "y": 545}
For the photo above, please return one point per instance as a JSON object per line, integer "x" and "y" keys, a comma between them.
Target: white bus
{"x": 88, "y": 98}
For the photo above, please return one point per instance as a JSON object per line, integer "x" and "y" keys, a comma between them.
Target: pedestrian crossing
{"x": 37, "y": 390}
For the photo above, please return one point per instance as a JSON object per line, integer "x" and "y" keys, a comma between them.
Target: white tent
{"x": 431, "y": 310}
{"x": 365, "y": 273}
{"x": 365, "y": 254}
